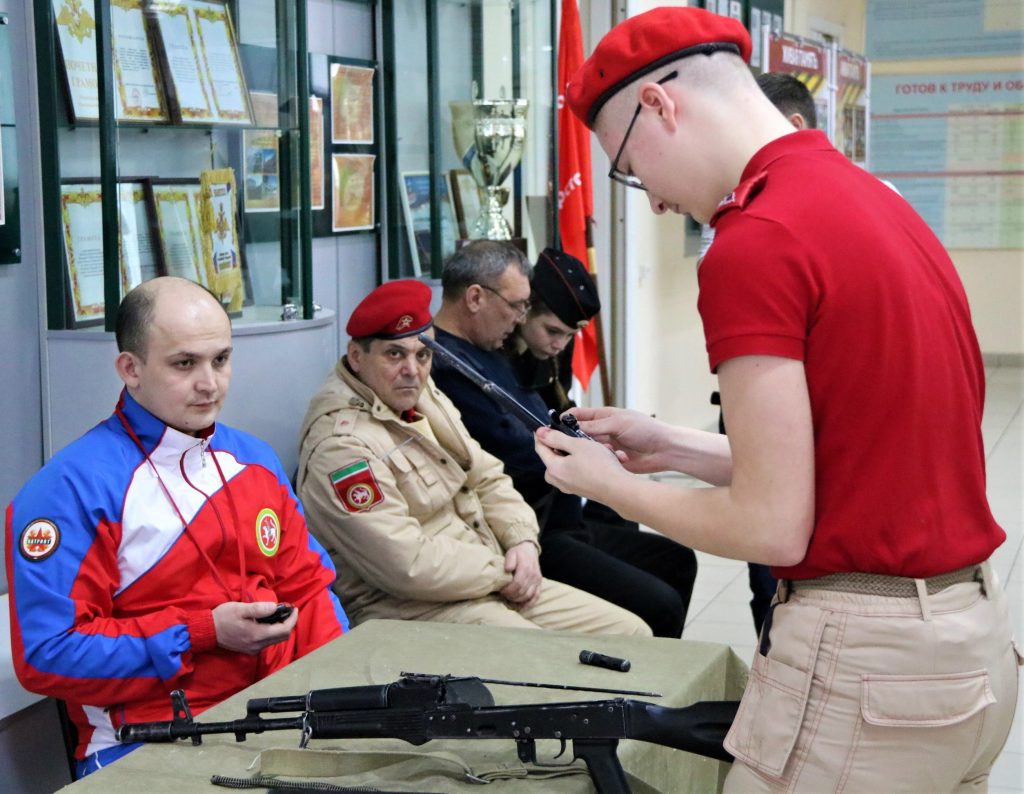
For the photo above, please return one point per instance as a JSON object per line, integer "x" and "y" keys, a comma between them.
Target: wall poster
{"x": 352, "y": 181}
{"x": 953, "y": 144}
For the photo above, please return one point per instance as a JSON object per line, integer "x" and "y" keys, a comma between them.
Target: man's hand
{"x": 637, "y": 439}
{"x": 576, "y": 465}
{"x": 523, "y": 562}
{"x": 237, "y": 629}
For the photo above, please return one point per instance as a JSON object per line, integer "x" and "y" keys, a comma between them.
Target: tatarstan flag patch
{"x": 356, "y": 487}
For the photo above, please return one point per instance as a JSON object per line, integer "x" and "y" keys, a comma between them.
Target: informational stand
{"x": 837, "y": 79}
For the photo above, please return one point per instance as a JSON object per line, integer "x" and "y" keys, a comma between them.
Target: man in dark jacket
{"x": 486, "y": 292}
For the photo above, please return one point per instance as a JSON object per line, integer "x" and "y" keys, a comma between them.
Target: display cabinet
{"x": 470, "y": 141}
{"x": 174, "y": 141}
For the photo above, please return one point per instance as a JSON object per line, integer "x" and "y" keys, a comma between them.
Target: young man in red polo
{"x": 852, "y": 386}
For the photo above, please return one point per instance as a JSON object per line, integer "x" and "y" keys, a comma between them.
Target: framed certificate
{"x": 352, "y": 181}
{"x": 218, "y": 226}
{"x": 139, "y": 257}
{"x": 199, "y": 54}
{"x": 138, "y": 94}
{"x": 223, "y": 66}
{"x": 351, "y": 103}
{"x": 416, "y": 206}
{"x": 176, "y": 204}
{"x": 81, "y": 212}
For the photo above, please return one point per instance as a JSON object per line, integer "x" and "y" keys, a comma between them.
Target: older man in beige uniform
{"x": 424, "y": 524}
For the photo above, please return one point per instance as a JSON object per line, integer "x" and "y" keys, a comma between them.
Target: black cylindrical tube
{"x": 600, "y": 660}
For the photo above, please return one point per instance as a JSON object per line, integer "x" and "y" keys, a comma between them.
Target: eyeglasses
{"x": 631, "y": 180}
{"x": 519, "y": 307}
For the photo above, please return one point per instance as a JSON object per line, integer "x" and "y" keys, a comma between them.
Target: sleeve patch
{"x": 356, "y": 487}
{"x": 39, "y": 540}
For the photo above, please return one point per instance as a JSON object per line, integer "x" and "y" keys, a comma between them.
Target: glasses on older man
{"x": 519, "y": 307}
{"x": 631, "y": 180}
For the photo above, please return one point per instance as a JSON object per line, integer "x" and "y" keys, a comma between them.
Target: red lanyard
{"x": 243, "y": 595}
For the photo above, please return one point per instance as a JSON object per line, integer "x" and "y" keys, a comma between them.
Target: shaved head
{"x": 136, "y": 313}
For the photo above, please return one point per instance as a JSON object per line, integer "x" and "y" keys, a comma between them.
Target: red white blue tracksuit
{"x": 111, "y": 595}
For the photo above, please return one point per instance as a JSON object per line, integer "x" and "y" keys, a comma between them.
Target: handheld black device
{"x": 278, "y": 615}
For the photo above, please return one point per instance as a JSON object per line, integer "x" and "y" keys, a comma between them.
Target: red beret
{"x": 644, "y": 43}
{"x": 392, "y": 311}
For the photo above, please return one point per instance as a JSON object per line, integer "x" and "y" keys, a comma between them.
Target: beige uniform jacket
{"x": 446, "y": 512}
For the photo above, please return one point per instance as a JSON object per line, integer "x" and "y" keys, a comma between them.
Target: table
{"x": 377, "y": 651}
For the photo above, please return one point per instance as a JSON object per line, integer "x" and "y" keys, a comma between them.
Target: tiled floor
{"x": 720, "y": 608}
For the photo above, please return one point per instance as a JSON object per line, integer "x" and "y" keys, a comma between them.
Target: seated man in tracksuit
{"x": 142, "y": 557}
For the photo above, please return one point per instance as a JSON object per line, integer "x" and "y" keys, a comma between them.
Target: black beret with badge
{"x": 561, "y": 282}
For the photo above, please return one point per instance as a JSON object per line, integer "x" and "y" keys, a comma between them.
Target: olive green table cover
{"x": 379, "y": 650}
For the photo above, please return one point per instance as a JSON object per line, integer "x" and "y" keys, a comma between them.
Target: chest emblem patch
{"x": 39, "y": 540}
{"x": 356, "y": 487}
{"x": 268, "y": 531}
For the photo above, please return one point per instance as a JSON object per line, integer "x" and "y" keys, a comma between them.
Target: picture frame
{"x": 139, "y": 255}
{"x": 260, "y": 176}
{"x": 352, "y": 99}
{"x": 347, "y": 150}
{"x": 176, "y": 209}
{"x": 138, "y": 84}
{"x": 416, "y": 189}
{"x": 198, "y": 52}
{"x": 219, "y": 230}
{"x": 353, "y": 181}
{"x": 81, "y": 210}
{"x": 316, "y": 153}
{"x": 465, "y": 200}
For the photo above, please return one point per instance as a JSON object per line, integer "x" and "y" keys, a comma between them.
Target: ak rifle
{"x": 419, "y": 708}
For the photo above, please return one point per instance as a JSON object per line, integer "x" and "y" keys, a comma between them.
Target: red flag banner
{"x": 575, "y": 199}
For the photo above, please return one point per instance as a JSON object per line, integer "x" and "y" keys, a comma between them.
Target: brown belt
{"x": 881, "y": 585}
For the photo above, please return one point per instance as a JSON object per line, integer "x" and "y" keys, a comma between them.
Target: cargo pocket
{"x": 416, "y": 481}
{"x": 933, "y": 701}
{"x": 771, "y": 712}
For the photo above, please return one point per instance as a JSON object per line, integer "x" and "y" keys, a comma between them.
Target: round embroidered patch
{"x": 39, "y": 540}
{"x": 268, "y": 531}
{"x": 360, "y": 496}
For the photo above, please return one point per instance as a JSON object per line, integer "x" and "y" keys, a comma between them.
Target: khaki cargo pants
{"x": 865, "y": 693}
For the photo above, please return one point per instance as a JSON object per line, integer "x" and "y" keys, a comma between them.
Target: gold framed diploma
{"x": 218, "y": 226}
{"x": 352, "y": 181}
{"x": 351, "y": 103}
{"x": 81, "y": 209}
{"x": 81, "y": 212}
{"x": 138, "y": 94}
{"x": 218, "y": 49}
{"x": 199, "y": 54}
{"x": 176, "y": 204}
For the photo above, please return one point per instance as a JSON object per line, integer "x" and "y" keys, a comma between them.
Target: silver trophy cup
{"x": 489, "y": 135}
